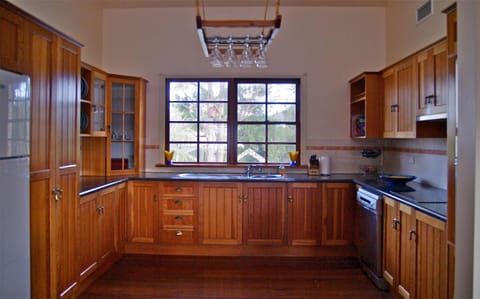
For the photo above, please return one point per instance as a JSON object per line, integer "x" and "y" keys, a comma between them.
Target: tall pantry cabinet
{"x": 52, "y": 61}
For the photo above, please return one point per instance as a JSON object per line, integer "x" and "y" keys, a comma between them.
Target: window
{"x": 232, "y": 121}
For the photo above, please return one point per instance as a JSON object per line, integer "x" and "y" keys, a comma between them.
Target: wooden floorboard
{"x": 150, "y": 276}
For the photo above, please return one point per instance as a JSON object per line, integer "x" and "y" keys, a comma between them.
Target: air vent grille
{"x": 424, "y": 11}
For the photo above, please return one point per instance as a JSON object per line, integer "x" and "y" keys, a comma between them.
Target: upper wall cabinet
{"x": 93, "y": 102}
{"x": 12, "y": 53}
{"x": 365, "y": 105}
{"x": 126, "y": 128}
{"x": 432, "y": 72}
{"x": 399, "y": 91}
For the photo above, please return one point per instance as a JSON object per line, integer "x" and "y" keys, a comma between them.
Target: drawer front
{"x": 178, "y": 204}
{"x": 178, "y": 189}
{"x": 178, "y": 220}
{"x": 178, "y": 235}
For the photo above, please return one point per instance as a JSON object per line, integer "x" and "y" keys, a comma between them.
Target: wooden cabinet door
{"x": 407, "y": 252}
{"x": 391, "y": 239}
{"x": 13, "y": 47}
{"x": 432, "y": 70}
{"x": 106, "y": 207}
{"x": 338, "y": 201}
{"x": 264, "y": 213}
{"x": 121, "y": 217}
{"x": 304, "y": 214}
{"x": 42, "y": 157}
{"x": 431, "y": 257}
{"x": 87, "y": 235}
{"x": 406, "y": 93}
{"x": 143, "y": 215}
{"x": 390, "y": 101}
{"x": 66, "y": 164}
{"x": 221, "y": 213}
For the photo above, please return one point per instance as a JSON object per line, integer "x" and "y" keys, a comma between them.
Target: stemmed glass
{"x": 216, "y": 56}
{"x": 230, "y": 58}
{"x": 261, "y": 58}
{"x": 246, "y": 60}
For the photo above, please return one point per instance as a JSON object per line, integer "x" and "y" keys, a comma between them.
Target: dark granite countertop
{"x": 430, "y": 200}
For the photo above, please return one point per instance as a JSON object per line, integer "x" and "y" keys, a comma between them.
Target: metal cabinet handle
{"x": 178, "y": 189}
{"x": 395, "y": 223}
{"x": 394, "y": 108}
{"x": 178, "y": 202}
{"x": 178, "y": 233}
{"x": 178, "y": 217}
{"x": 290, "y": 198}
{"x": 155, "y": 197}
{"x": 57, "y": 193}
{"x": 412, "y": 233}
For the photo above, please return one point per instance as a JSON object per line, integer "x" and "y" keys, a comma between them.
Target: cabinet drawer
{"x": 177, "y": 189}
{"x": 178, "y": 235}
{"x": 178, "y": 219}
{"x": 177, "y": 204}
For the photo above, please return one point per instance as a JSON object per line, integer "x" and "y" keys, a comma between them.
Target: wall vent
{"x": 424, "y": 11}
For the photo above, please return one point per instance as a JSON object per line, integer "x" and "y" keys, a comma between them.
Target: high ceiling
{"x": 191, "y": 3}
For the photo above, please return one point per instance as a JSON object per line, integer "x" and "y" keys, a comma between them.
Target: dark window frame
{"x": 232, "y": 121}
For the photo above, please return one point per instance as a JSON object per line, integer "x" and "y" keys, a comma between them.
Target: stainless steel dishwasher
{"x": 369, "y": 235}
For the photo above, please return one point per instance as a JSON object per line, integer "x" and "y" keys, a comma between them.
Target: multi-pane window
{"x": 228, "y": 121}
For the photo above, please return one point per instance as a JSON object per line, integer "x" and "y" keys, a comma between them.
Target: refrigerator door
{"x": 14, "y": 115}
{"x": 14, "y": 228}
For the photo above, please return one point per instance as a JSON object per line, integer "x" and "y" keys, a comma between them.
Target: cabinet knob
{"x": 100, "y": 210}
{"x": 178, "y": 189}
{"x": 57, "y": 193}
{"x": 178, "y": 233}
{"x": 155, "y": 197}
{"x": 290, "y": 198}
{"x": 178, "y": 217}
{"x": 178, "y": 202}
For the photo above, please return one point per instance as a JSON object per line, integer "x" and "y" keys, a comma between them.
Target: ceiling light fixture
{"x": 237, "y": 43}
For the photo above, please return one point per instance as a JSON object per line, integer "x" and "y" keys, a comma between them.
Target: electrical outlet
{"x": 411, "y": 160}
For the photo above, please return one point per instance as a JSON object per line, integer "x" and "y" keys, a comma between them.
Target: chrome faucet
{"x": 253, "y": 167}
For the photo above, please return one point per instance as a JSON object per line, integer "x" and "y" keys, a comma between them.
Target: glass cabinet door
{"x": 122, "y": 151}
{"x": 98, "y": 106}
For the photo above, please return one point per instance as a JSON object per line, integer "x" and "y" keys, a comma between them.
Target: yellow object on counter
{"x": 168, "y": 156}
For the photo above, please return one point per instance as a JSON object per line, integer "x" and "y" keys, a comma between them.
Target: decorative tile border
{"x": 387, "y": 148}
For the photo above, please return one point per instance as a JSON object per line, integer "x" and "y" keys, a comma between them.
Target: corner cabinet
{"x": 366, "y": 103}
{"x": 125, "y": 125}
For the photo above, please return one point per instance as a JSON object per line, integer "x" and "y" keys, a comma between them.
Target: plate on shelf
{"x": 83, "y": 121}
{"x": 83, "y": 88}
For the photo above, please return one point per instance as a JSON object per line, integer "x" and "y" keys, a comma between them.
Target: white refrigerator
{"x": 14, "y": 186}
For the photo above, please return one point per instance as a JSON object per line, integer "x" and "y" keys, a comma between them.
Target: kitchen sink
{"x": 228, "y": 176}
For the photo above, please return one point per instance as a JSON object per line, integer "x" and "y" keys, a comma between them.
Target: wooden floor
{"x": 149, "y": 276}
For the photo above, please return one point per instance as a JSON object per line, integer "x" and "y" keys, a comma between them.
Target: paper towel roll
{"x": 324, "y": 165}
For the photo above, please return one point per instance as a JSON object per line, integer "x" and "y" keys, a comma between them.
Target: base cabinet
{"x": 414, "y": 252}
{"x": 338, "y": 204}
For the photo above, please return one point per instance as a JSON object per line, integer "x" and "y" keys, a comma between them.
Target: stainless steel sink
{"x": 227, "y": 176}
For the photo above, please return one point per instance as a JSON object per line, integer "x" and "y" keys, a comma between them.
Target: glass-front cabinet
{"x": 126, "y": 131}
{"x": 93, "y": 99}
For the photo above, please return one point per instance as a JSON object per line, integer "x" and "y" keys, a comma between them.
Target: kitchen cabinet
{"x": 432, "y": 80}
{"x": 399, "y": 108}
{"x": 53, "y": 63}
{"x": 338, "y": 201}
{"x": 414, "y": 252}
{"x": 366, "y": 102}
{"x": 264, "y": 214}
{"x": 178, "y": 219}
{"x": 93, "y": 101}
{"x": 304, "y": 203}
{"x": 143, "y": 212}
{"x": 13, "y": 52}
{"x": 221, "y": 213}
{"x": 125, "y": 125}
{"x": 99, "y": 229}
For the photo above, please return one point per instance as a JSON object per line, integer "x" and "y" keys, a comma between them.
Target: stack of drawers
{"x": 179, "y": 201}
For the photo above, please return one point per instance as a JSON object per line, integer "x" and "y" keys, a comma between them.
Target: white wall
{"x": 404, "y": 35}
{"x": 315, "y": 44}
{"x": 79, "y": 19}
